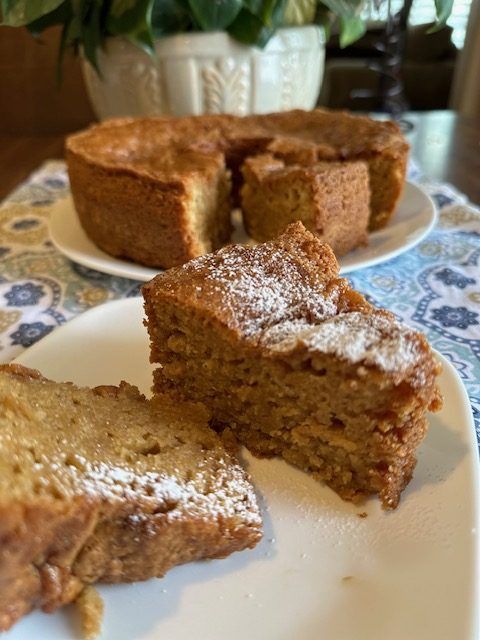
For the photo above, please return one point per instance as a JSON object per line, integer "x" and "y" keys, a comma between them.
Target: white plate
{"x": 321, "y": 572}
{"x": 415, "y": 216}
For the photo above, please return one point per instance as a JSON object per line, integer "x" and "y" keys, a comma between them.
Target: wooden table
{"x": 445, "y": 144}
{"x": 447, "y": 148}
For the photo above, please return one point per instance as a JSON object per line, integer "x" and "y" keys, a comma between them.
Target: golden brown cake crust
{"x": 285, "y": 288}
{"x": 332, "y": 199}
{"x": 134, "y": 203}
{"x": 148, "y": 487}
{"x": 340, "y": 133}
{"x": 209, "y": 284}
{"x": 130, "y": 177}
{"x": 297, "y": 363}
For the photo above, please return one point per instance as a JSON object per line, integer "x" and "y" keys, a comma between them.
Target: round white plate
{"x": 321, "y": 571}
{"x": 415, "y": 216}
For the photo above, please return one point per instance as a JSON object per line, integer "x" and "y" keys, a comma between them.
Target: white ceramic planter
{"x": 200, "y": 73}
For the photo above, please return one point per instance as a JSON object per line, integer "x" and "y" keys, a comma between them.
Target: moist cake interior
{"x": 295, "y": 362}
{"x": 103, "y": 485}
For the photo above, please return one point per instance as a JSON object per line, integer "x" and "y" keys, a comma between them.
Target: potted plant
{"x": 152, "y": 57}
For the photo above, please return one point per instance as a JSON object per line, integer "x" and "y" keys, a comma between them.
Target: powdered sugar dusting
{"x": 225, "y": 493}
{"x": 263, "y": 286}
{"x": 373, "y": 339}
{"x": 285, "y": 333}
{"x": 276, "y": 295}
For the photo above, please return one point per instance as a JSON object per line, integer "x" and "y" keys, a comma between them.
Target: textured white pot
{"x": 200, "y": 73}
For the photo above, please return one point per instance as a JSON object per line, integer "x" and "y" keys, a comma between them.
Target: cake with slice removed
{"x": 295, "y": 362}
{"x": 158, "y": 191}
{"x": 104, "y": 486}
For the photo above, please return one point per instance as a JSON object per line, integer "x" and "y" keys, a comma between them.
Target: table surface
{"x": 434, "y": 287}
{"x": 445, "y": 144}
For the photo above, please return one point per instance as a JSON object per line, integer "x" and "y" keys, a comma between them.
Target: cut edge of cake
{"x": 331, "y": 199}
{"x": 185, "y": 212}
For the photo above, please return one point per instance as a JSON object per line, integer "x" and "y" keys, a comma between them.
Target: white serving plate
{"x": 321, "y": 572}
{"x": 415, "y": 216}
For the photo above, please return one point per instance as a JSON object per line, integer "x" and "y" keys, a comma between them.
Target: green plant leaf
{"x": 351, "y": 29}
{"x": 214, "y": 15}
{"x": 270, "y": 12}
{"x": 135, "y": 23}
{"x": 266, "y": 11}
{"x": 170, "y": 16}
{"x": 344, "y": 8}
{"x": 92, "y": 31}
{"x": 324, "y": 18}
{"x": 119, "y": 7}
{"x": 254, "y": 6}
{"x": 443, "y": 9}
{"x": 17, "y": 13}
{"x": 61, "y": 15}
{"x": 278, "y": 13}
{"x": 249, "y": 29}
{"x": 74, "y": 31}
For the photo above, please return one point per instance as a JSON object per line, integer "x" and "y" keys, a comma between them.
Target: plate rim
{"x": 434, "y": 215}
{"x": 119, "y": 268}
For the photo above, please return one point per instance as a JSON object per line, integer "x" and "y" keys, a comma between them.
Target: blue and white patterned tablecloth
{"x": 434, "y": 287}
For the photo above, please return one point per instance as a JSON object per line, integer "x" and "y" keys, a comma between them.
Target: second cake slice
{"x": 297, "y": 363}
{"x": 102, "y": 485}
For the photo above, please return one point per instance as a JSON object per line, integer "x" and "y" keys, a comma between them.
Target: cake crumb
{"x": 90, "y": 607}
{"x": 363, "y": 514}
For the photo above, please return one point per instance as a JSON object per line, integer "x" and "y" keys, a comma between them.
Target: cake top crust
{"x": 286, "y": 297}
{"x": 252, "y": 288}
{"x": 59, "y": 441}
{"x": 146, "y": 147}
{"x": 267, "y": 167}
{"x": 375, "y": 339}
{"x": 304, "y": 135}
{"x": 346, "y": 133}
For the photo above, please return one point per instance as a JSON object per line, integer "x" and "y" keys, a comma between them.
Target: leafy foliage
{"x": 215, "y": 15}
{"x": 17, "y": 14}
{"x": 89, "y": 22}
{"x": 132, "y": 19}
{"x": 443, "y": 9}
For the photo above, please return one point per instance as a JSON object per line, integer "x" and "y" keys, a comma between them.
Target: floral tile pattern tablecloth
{"x": 434, "y": 287}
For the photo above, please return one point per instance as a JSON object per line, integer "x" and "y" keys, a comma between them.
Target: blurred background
{"x": 438, "y": 70}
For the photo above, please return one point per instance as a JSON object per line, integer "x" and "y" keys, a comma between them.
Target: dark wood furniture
{"x": 445, "y": 144}
{"x": 31, "y": 99}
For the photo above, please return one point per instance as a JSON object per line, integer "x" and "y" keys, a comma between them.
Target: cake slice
{"x": 332, "y": 199}
{"x": 295, "y": 362}
{"x": 103, "y": 485}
